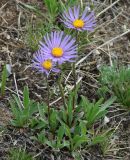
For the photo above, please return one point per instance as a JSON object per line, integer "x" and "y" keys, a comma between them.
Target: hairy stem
{"x": 62, "y": 92}
{"x": 74, "y": 76}
{"x": 48, "y": 99}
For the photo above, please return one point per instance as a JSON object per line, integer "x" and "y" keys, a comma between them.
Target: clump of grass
{"x": 19, "y": 154}
{"x": 35, "y": 33}
{"x": 116, "y": 81}
{"x": 54, "y": 7}
{"x": 22, "y": 111}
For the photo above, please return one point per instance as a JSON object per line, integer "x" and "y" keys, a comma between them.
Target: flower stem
{"x": 48, "y": 99}
{"x": 74, "y": 76}
{"x": 62, "y": 92}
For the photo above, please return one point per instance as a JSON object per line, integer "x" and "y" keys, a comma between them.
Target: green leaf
{"x": 26, "y": 99}
{"x": 52, "y": 6}
{"x": 78, "y": 140}
{"x": 117, "y": 80}
{"x": 53, "y": 119}
{"x": 41, "y": 124}
{"x": 41, "y": 138}
{"x": 83, "y": 127}
{"x": 108, "y": 103}
{"x": 77, "y": 155}
{"x": 66, "y": 143}
{"x": 70, "y": 3}
{"x": 102, "y": 137}
{"x": 94, "y": 111}
{"x": 98, "y": 139}
{"x": 52, "y": 144}
{"x": 3, "y": 83}
{"x": 17, "y": 101}
{"x": 22, "y": 115}
{"x": 41, "y": 111}
{"x": 33, "y": 107}
{"x": 67, "y": 131}
{"x": 60, "y": 133}
{"x": 70, "y": 107}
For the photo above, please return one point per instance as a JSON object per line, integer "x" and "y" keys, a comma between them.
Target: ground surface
{"x": 112, "y": 42}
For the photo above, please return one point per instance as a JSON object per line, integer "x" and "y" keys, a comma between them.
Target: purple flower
{"x": 59, "y": 47}
{"x": 73, "y": 19}
{"x": 43, "y": 65}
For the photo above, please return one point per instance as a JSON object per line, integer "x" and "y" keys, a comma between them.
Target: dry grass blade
{"x": 107, "y": 42}
{"x": 103, "y": 11}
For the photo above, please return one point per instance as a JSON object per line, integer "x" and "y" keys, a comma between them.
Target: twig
{"x": 12, "y": 91}
{"x": 16, "y": 87}
{"x": 91, "y": 52}
{"x": 106, "y": 23}
{"x": 110, "y": 57}
{"x": 107, "y": 8}
{"x": 3, "y": 6}
{"x": 117, "y": 149}
{"x": 107, "y": 42}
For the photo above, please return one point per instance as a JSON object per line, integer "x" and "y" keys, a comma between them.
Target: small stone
{"x": 8, "y": 68}
{"x": 8, "y": 36}
{"x": 106, "y": 120}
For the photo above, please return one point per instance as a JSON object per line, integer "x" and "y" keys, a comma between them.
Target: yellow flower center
{"x": 47, "y": 64}
{"x": 78, "y": 23}
{"x": 57, "y": 52}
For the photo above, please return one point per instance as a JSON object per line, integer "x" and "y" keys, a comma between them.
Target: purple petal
{"x": 84, "y": 13}
{"x": 76, "y": 12}
{"x": 71, "y": 14}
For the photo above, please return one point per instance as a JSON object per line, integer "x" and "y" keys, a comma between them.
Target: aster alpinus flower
{"x": 81, "y": 22}
{"x": 59, "y": 47}
{"x": 42, "y": 64}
